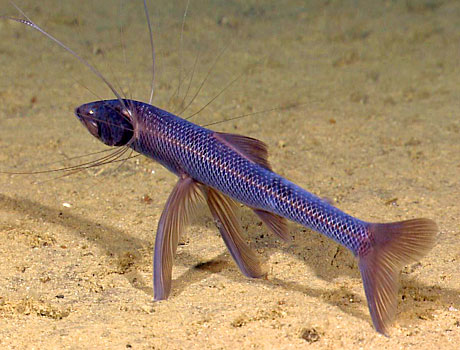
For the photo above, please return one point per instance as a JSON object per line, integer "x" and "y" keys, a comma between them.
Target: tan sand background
{"x": 377, "y": 131}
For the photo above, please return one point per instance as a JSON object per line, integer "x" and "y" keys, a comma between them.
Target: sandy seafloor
{"x": 376, "y": 129}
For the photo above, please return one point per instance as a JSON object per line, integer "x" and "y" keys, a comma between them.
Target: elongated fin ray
{"x": 393, "y": 246}
{"x": 152, "y": 49}
{"x": 30, "y": 23}
{"x": 176, "y": 215}
{"x": 250, "y": 148}
{"x": 277, "y": 224}
{"x": 222, "y": 209}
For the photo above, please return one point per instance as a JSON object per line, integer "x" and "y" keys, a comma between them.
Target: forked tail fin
{"x": 393, "y": 245}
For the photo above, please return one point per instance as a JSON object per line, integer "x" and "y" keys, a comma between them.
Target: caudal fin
{"x": 393, "y": 246}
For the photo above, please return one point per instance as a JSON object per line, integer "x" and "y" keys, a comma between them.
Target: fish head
{"x": 110, "y": 121}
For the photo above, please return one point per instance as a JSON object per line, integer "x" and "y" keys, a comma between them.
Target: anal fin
{"x": 277, "y": 224}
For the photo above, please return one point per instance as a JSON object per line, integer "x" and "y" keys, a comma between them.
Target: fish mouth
{"x": 86, "y": 116}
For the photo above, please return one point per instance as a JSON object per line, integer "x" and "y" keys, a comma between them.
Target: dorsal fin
{"x": 252, "y": 149}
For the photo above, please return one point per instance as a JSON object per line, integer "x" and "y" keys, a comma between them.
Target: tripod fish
{"x": 221, "y": 168}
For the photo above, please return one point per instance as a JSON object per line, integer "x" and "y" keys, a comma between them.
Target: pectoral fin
{"x": 175, "y": 217}
{"x": 222, "y": 209}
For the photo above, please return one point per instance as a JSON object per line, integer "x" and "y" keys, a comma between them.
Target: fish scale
{"x": 184, "y": 147}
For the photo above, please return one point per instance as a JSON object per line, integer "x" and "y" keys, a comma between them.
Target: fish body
{"x": 213, "y": 159}
{"x": 222, "y": 168}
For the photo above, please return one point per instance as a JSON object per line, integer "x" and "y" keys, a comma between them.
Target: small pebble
{"x": 310, "y": 335}
{"x": 146, "y": 199}
{"x": 281, "y": 143}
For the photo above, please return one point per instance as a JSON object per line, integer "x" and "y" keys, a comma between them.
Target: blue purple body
{"x": 215, "y": 167}
{"x": 186, "y": 148}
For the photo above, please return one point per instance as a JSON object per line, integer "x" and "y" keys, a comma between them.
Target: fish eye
{"x": 91, "y": 112}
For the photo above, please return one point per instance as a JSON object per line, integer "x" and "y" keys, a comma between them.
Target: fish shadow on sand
{"x": 114, "y": 241}
{"x": 327, "y": 261}
{"x": 311, "y": 249}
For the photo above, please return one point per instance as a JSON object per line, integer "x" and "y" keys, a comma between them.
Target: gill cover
{"x": 108, "y": 120}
